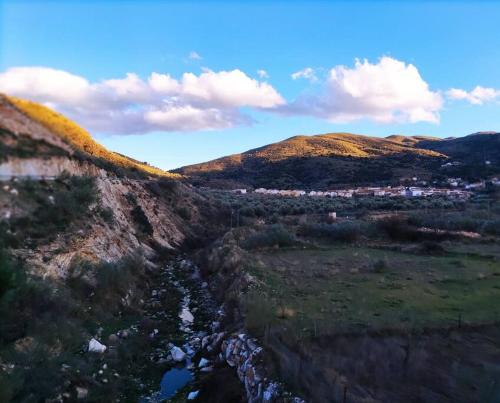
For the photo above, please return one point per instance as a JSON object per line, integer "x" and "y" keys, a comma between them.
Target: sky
{"x": 176, "y": 83}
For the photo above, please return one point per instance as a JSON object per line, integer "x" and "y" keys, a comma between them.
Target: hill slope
{"x": 328, "y": 160}
{"x": 80, "y": 141}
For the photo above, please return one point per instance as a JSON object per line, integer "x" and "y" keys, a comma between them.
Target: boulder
{"x": 96, "y": 347}
{"x": 177, "y": 354}
{"x": 81, "y": 393}
{"x": 193, "y": 395}
{"x": 203, "y": 363}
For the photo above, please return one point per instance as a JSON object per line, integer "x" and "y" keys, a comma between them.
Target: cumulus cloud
{"x": 478, "y": 96}
{"x": 208, "y": 101}
{"x": 262, "y": 73}
{"x": 389, "y": 91}
{"x": 307, "y": 73}
{"x": 194, "y": 56}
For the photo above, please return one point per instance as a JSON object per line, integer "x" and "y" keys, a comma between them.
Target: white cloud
{"x": 307, "y": 73}
{"x": 262, "y": 74}
{"x": 478, "y": 96}
{"x": 163, "y": 83}
{"x": 230, "y": 88}
{"x": 194, "y": 56}
{"x": 211, "y": 100}
{"x": 387, "y": 91}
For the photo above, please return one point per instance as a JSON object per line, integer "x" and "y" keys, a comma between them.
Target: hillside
{"x": 80, "y": 141}
{"x": 328, "y": 160}
{"x": 85, "y": 235}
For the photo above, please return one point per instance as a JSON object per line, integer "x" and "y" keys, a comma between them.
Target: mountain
{"x": 334, "y": 159}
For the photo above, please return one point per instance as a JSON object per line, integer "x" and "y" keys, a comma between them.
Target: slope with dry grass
{"x": 323, "y": 160}
{"x": 81, "y": 140}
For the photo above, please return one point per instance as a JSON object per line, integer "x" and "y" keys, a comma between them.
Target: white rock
{"x": 186, "y": 315}
{"x": 177, "y": 354}
{"x": 96, "y": 347}
{"x": 193, "y": 395}
{"x": 81, "y": 393}
{"x": 203, "y": 363}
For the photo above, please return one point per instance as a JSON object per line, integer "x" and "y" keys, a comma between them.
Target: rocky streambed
{"x": 189, "y": 355}
{"x": 209, "y": 349}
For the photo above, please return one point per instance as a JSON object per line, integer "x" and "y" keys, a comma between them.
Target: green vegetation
{"x": 407, "y": 269}
{"x": 273, "y": 236}
{"x": 45, "y": 326}
{"x": 480, "y": 221}
{"x": 254, "y": 205}
{"x": 339, "y": 289}
{"x": 52, "y": 208}
{"x": 347, "y": 231}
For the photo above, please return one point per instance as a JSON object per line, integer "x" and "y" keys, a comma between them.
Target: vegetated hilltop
{"x": 84, "y": 146}
{"x": 327, "y": 160}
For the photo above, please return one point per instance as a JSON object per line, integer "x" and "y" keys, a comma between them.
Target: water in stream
{"x": 195, "y": 300}
{"x": 173, "y": 380}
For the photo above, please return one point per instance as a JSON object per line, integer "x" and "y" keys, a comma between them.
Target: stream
{"x": 194, "y": 316}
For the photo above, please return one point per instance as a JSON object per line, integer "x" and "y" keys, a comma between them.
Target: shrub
{"x": 379, "y": 266}
{"x": 338, "y": 232}
{"x": 107, "y": 214}
{"x": 184, "y": 212}
{"x": 399, "y": 230}
{"x": 492, "y": 227}
{"x": 69, "y": 201}
{"x": 141, "y": 220}
{"x": 431, "y": 247}
{"x": 105, "y": 279}
{"x": 275, "y": 235}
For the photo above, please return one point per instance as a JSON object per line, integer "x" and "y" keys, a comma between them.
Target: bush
{"x": 141, "y": 220}
{"x": 184, "y": 213}
{"x": 379, "y": 266}
{"x": 431, "y": 247}
{"x": 107, "y": 214}
{"x": 339, "y": 232}
{"x": 398, "y": 229}
{"x": 69, "y": 201}
{"x": 492, "y": 227}
{"x": 275, "y": 235}
{"x": 105, "y": 280}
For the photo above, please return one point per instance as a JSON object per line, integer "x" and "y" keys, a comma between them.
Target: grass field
{"x": 345, "y": 288}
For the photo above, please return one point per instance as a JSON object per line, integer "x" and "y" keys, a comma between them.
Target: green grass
{"x": 341, "y": 288}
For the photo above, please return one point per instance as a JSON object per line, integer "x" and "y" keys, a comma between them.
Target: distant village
{"x": 454, "y": 188}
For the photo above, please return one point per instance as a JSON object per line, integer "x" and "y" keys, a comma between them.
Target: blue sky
{"x": 451, "y": 44}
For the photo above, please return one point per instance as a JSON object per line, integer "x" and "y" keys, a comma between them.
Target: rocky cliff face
{"x": 30, "y": 151}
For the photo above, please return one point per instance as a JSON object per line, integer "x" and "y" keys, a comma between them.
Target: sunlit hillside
{"x": 80, "y": 139}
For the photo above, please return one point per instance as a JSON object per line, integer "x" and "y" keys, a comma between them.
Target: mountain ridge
{"x": 331, "y": 159}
